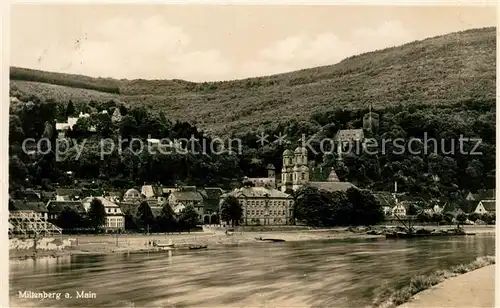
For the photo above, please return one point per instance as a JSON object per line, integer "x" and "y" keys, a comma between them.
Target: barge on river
{"x": 403, "y": 235}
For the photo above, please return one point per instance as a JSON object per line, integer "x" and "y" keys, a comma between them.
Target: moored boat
{"x": 198, "y": 247}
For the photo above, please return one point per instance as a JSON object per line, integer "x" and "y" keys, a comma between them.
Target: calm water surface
{"x": 329, "y": 273}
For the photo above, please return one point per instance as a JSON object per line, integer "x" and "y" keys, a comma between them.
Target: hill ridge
{"x": 439, "y": 70}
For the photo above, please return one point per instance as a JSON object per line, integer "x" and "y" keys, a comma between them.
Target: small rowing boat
{"x": 197, "y": 247}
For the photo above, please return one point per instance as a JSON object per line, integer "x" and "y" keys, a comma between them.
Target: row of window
{"x": 261, "y": 212}
{"x": 115, "y": 223}
{"x": 263, "y": 202}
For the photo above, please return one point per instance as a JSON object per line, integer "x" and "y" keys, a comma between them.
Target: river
{"x": 330, "y": 273}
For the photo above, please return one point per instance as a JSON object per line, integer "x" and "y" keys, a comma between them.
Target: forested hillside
{"x": 445, "y": 70}
{"x": 441, "y": 88}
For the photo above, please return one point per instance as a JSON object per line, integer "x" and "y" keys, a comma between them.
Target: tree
{"x": 366, "y": 210}
{"x": 104, "y": 126}
{"x": 97, "y": 214}
{"x": 437, "y": 218}
{"x": 231, "y": 210}
{"x": 189, "y": 217}
{"x": 145, "y": 215}
{"x": 166, "y": 220}
{"x": 474, "y": 216}
{"x": 70, "y": 109}
{"x": 16, "y": 133}
{"x": 461, "y": 218}
{"x": 488, "y": 218}
{"x": 424, "y": 217}
{"x": 69, "y": 219}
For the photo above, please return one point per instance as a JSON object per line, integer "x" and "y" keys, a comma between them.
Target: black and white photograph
{"x": 251, "y": 155}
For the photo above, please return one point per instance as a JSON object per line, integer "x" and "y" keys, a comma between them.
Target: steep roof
{"x": 28, "y": 194}
{"x": 22, "y": 205}
{"x": 54, "y": 206}
{"x": 332, "y": 177}
{"x": 129, "y": 207}
{"x": 187, "y": 195}
{"x": 489, "y": 205}
{"x": 151, "y": 191}
{"x": 105, "y": 202}
{"x": 211, "y": 193}
{"x": 257, "y": 192}
{"x": 484, "y": 194}
{"x": 332, "y": 186}
{"x": 48, "y": 194}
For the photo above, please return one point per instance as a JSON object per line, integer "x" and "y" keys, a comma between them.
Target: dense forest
{"x": 447, "y": 172}
{"x": 439, "y": 71}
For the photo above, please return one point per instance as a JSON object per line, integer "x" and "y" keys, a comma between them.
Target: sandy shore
{"x": 473, "y": 289}
{"x": 103, "y": 244}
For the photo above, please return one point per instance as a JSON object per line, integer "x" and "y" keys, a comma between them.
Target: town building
{"x": 153, "y": 195}
{"x": 186, "y": 196}
{"x": 132, "y": 196}
{"x": 262, "y": 206}
{"x": 486, "y": 207}
{"x": 115, "y": 219}
{"x": 483, "y": 194}
{"x": 269, "y": 181}
{"x": 68, "y": 194}
{"x": 296, "y": 173}
{"x": 211, "y": 197}
{"x": 30, "y": 218}
{"x": 345, "y": 136}
{"x": 63, "y": 128}
{"x": 386, "y": 200}
{"x": 117, "y": 116}
{"x": 113, "y": 196}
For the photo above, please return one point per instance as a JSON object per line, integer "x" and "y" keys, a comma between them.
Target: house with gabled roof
{"x": 29, "y": 218}
{"x": 350, "y": 135}
{"x": 485, "y": 207}
{"x": 115, "y": 219}
{"x": 68, "y": 194}
{"x": 187, "y": 195}
{"x": 153, "y": 195}
{"x": 332, "y": 183}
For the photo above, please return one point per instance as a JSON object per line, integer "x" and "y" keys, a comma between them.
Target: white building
{"x": 485, "y": 206}
{"x": 115, "y": 220}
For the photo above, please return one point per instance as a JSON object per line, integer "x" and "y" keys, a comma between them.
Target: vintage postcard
{"x": 251, "y": 155}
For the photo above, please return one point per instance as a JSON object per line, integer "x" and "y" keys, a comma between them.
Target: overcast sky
{"x": 216, "y": 42}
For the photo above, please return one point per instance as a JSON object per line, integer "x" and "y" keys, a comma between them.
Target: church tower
{"x": 287, "y": 171}
{"x": 300, "y": 170}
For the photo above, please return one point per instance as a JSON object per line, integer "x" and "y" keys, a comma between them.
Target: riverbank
{"x": 137, "y": 243}
{"x": 473, "y": 289}
{"x": 465, "y": 285}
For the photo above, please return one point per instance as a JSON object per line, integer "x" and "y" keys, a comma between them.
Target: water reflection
{"x": 306, "y": 274}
